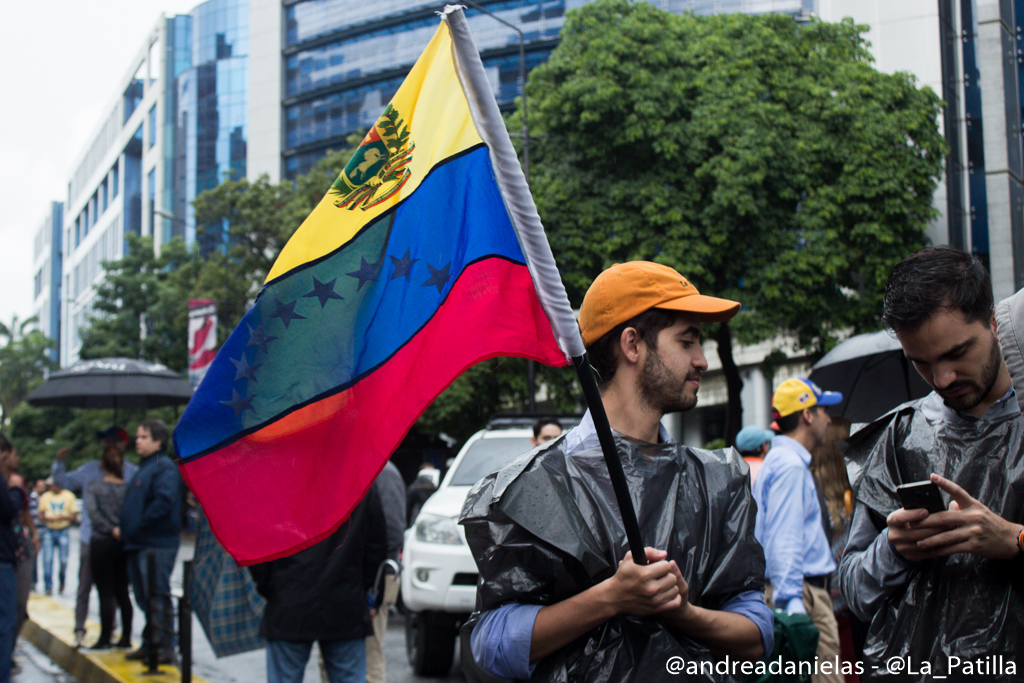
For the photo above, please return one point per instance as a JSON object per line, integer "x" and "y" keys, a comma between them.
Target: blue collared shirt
{"x": 788, "y": 525}
{"x": 502, "y": 637}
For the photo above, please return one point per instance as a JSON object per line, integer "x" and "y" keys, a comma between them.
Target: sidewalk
{"x": 51, "y": 628}
{"x": 248, "y": 667}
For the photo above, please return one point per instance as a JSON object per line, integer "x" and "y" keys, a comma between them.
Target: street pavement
{"x": 248, "y": 667}
{"x": 36, "y": 667}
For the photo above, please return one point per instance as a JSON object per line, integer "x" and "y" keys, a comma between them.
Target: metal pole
{"x": 185, "y": 623}
{"x": 611, "y": 457}
{"x": 152, "y": 610}
{"x": 531, "y": 388}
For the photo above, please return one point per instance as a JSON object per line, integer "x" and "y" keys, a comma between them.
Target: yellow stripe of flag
{"x": 427, "y": 121}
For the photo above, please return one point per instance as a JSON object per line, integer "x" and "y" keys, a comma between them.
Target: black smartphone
{"x": 921, "y": 494}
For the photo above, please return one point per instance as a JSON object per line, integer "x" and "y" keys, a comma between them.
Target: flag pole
{"x": 547, "y": 280}
{"x": 611, "y": 457}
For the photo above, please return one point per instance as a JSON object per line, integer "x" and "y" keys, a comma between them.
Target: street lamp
{"x": 170, "y": 216}
{"x": 522, "y": 86}
{"x": 531, "y": 368}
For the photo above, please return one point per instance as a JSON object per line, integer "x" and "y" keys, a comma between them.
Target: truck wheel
{"x": 430, "y": 642}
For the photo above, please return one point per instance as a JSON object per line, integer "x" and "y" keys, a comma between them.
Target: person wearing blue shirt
{"x": 789, "y": 523}
{"x": 641, "y": 323}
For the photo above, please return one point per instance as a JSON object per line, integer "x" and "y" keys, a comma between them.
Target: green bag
{"x": 796, "y": 640}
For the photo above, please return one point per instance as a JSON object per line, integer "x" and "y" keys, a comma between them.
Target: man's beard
{"x": 978, "y": 391}
{"x": 663, "y": 391}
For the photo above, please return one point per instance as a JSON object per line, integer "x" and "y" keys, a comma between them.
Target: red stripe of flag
{"x": 292, "y": 500}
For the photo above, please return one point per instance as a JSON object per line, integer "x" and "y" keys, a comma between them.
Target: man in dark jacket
{"x": 320, "y": 594}
{"x": 151, "y": 520}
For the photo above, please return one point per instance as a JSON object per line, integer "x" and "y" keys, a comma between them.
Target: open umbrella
{"x": 112, "y": 383}
{"x": 224, "y": 598}
{"x": 873, "y": 374}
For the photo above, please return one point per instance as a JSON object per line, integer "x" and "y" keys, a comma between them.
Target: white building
{"x": 176, "y": 126}
{"x": 47, "y": 272}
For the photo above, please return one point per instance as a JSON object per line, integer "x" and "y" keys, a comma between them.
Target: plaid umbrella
{"x": 224, "y": 597}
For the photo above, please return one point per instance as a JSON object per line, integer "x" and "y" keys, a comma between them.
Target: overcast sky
{"x": 60, "y": 65}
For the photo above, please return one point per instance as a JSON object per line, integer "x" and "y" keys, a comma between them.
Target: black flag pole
{"x": 611, "y": 457}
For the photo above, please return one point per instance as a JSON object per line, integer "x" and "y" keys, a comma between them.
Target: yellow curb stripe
{"x": 51, "y": 628}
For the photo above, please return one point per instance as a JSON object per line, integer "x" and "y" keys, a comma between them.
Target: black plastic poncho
{"x": 962, "y": 606}
{"x": 547, "y": 527}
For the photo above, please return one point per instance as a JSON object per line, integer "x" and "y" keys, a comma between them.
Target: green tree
{"x": 766, "y": 160}
{"x": 140, "y": 312}
{"x": 24, "y": 359}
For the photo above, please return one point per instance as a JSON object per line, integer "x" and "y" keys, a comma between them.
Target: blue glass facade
{"x": 344, "y": 59}
{"x": 209, "y": 57}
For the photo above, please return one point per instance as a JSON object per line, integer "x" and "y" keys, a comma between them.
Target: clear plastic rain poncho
{"x": 962, "y": 606}
{"x": 547, "y": 527}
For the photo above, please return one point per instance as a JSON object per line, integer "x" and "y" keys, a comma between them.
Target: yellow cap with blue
{"x": 799, "y": 393}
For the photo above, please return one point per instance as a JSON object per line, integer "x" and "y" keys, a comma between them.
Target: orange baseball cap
{"x": 626, "y": 290}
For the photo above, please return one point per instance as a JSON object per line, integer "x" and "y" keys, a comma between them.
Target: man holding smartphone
{"x": 940, "y": 586}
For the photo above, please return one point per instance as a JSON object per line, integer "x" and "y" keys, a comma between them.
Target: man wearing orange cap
{"x": 789, "y": 519}
{"x": 559, "y": 601}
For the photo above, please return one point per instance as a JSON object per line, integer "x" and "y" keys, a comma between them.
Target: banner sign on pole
{"x": 202, "y": 338}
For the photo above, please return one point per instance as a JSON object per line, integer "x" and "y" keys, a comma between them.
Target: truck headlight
{"x": 437, "y": 529}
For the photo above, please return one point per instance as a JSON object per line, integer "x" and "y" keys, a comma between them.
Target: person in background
{"x": 419, "y": 490}
{"x": 545, "y": 429}
{"x": 9, "y": 514}
{"x": 151, "y": 520}
{"x": 109, "y": 564}
{"x": 319, "y": 594}
{"x": 753, "y": 444}
{"x": 829, "y": 470}
{"x": 28, "y": 539}
{"x": 58, "y": 507}
{"x": 25, "y": 532}
{"x": 391, "y": 489}
{"x": 33, "y": 506}
{"x": 77, "y": 481}
{"x": 790, "y": 523}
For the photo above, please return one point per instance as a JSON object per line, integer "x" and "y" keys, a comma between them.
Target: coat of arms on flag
{"x": 379, "y": 167}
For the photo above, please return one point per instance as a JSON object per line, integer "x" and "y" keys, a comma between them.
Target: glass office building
{"x": 177, "y": 126}
{"x": 210, "y": 69}
{"x": 344, "y": 60}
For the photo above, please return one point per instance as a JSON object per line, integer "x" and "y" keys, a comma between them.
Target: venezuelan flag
{"x": 424, "y": 258}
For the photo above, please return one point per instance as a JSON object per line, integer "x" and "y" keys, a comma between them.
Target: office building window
{"x": 152, "y": 126}
{"x": 103, "y": 192}
{"x": 113, "y": 181}
{"x": 152, "y": 200}
{"x": 133, "y": 93}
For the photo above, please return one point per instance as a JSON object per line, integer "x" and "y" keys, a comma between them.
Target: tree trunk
{"x": 733, "y": 382}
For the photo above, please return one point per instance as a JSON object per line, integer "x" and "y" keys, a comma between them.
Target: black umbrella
{"x": 112, "y": 383}
{"x": 873, "y": 374}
